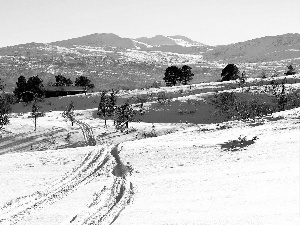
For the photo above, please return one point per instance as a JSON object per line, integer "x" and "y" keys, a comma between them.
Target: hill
{"x": 174, "y": 169}
{"x": 265, "y": 49}
{"x": 98, "y": 40}
{"x": 111, "y": 61}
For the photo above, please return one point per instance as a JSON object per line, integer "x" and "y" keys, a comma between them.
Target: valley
{"x": 208, "y": 152}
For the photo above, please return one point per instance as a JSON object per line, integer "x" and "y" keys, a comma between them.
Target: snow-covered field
{"x": 209, "y": 172}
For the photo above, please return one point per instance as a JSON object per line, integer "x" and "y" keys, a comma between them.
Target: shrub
{"x": 291, "y": 70}
{"x": 162, "y": 98}
{"x": 186, "y": 111}
{"x": 238, "y": 145}
{"x": 236, "y": 107}
{"x": 149, "y": 134}
{"x": 284, "y": 98}
{"x": 139, "y": 99}
{"x": 156, "y": 84}
{"x": 263, "y": 74}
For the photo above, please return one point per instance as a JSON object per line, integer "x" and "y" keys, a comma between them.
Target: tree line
{"x": 175, "y": 75}
{"x": 28, "y": 90}
{"x": 33, "y": 89}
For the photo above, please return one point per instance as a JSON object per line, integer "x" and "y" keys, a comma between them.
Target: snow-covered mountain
{"x": 175, "y": 44}
{"x": 160, "y": 40}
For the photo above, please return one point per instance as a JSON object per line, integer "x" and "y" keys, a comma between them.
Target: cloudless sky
{"x": 212, "y": 22}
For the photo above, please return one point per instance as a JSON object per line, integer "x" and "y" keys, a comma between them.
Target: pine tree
{"x": 62, "y": 81}
{"x": 172, "y": 75}
{"x": 186, "y": 75}
{"x": 230, "y": 72}
{"x": 123, "y": 115}
{"x": 21, "y": 87}
{"x": 106, "y": 105}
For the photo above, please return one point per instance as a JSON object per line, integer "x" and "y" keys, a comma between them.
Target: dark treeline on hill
{"x": 28, "y": 90}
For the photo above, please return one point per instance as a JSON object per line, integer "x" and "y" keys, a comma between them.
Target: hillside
{"x": 173, "y": 167}
{"x": 265, "y": 49}
{"x": 97, "y": 40}
{"x": 114, "y": 62}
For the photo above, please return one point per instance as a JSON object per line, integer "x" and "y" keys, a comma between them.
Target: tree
{"x": 5, "y": 107}
{"x": 172, "y": 75}
{"x": 106, "y": 105}
{"x": 230, "y": 72}
{"x": 69, "y": 112}
{"x": 2, "y": 86}
{"x": 62, "y": 81}
{"x": 21, "y": 87}
{"x": 28, "y": 90}
{"x": 123, "y": 115}
{"x": 84, "y": 82}
{"x": 35, "y": 111}
{"x": 291, "y": 70}
{"x": 186, "y": 75}
{"x": 35, "y": 85}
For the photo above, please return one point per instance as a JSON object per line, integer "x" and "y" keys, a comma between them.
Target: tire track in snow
{"x": 87, "y": 133}
{"x": 105, "y": 209}
{"x": 25, "y": 140}
{"x": 110, "y": 202}
{"x": 89, "y": 169}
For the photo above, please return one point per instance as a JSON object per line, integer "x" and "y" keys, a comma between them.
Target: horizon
{"x": 218, "y": 22}
{"x": 142, "y": 37}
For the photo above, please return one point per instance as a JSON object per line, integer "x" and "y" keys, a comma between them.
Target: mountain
{"x": 160, "y": 40}
{"x": 98, "y": 40}
{"x": 111, "y": 61}
{"x": 265, "y": 49}
{"x": 157, "y": 40}
{"x": 175, "y": 44}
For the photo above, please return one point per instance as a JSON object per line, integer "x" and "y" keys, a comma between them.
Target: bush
{"x": 291, "y": 70}
{"x": 156, "y": 84}
{"x": 5, "y": 108}
{"x": 238, "y": 145}
{"x": 236, "y": 107}
{"x": 285, "y": 98}
{"x": 149, "y": 134}
{"x": 162, "y": 98}
{"x": 138, "y": 99}
{"x": 186, "y": 111}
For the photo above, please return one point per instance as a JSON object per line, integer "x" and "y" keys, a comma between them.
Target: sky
{"x": 212, "y": 22}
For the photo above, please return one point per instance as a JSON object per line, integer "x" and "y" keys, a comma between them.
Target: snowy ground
{"x": 191, "y": 173}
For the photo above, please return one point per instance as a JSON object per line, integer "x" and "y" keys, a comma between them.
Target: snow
{"x": 188, "y": 174}
{"x": 141, "y": 43}
{"x": 185, "y": 43}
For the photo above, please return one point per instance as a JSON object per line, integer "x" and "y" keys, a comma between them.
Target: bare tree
{"x": 35, "y": 112}
{"x": 69, "y": 112}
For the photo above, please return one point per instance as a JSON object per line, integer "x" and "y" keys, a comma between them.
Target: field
{"x": 183, "y": 163}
